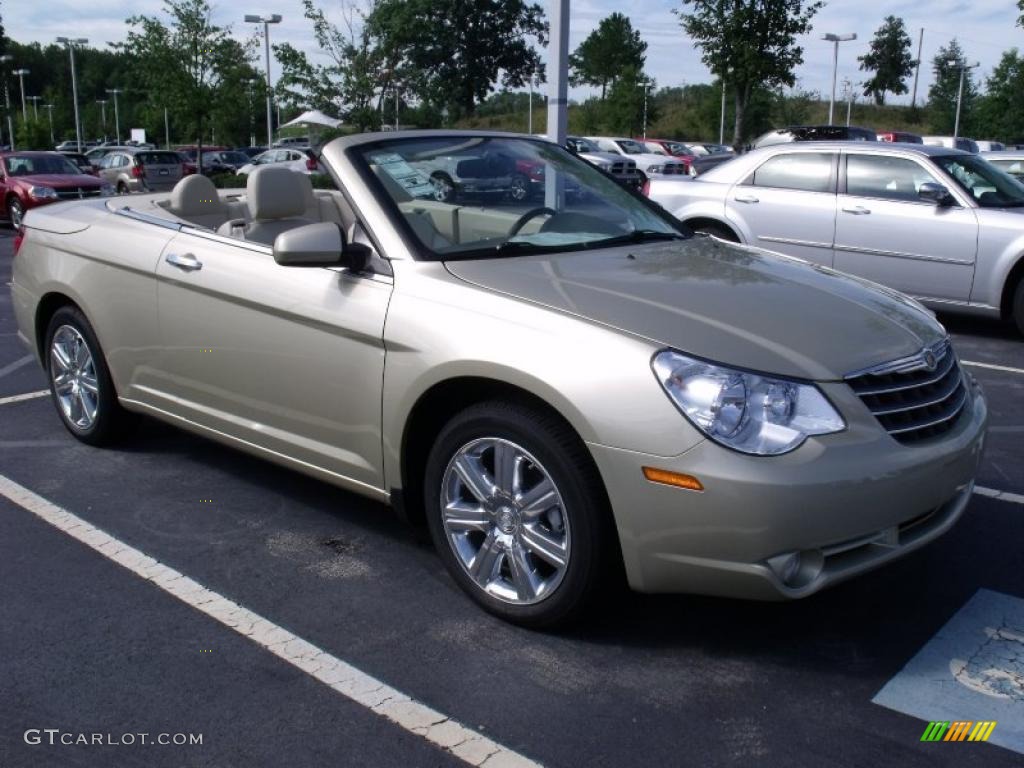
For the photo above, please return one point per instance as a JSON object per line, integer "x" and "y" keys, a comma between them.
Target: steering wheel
{"x": 531, "y": 214}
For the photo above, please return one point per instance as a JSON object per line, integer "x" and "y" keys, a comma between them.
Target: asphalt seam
{"x": 407, "y": 713}
{"x": 24, "y": 397}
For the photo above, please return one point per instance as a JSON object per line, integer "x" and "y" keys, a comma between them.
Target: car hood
{"x": 59, "y": 181}
{"x": 723, "y": 302}
{"x": 606, "y": 157}
{"x": 644, "y": 160}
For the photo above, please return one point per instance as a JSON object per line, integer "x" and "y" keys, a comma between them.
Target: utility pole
{"x": 917, "y": 69}
{"x": 6, "y": 59}
{"x": 103, "y": 113}
{"x": 964, "y": 66}
{"x": 35, "y": 106}
{"x": 646, "y": 85}
{"x": 266, "y": 21}
{"x": 721, "y": 119}
{"x": 71, "y": 43}
{"x": 167, "y": 130}
{"x": 117, "y": 114}
{"x": 49, "y": 109}
{"x": 848, "y": 92}
{"x": 21, "y": 78}
{"x": 835, "y": 40}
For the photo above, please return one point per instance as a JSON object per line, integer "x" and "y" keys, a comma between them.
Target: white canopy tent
{"x": 313, "y": 117}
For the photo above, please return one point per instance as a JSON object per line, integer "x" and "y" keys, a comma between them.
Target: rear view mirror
{"x": 319, "y": 245}
{"x": 934, "y": 193}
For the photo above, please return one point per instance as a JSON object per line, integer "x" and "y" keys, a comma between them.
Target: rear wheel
{"x": 1018, "y": 305}
{"x": 80, "y": 382}
{"x": 15, "y": 213}
{"x": 122, "y": 188}
{"x": 444, "y": 188}
{"x": 715, "y": 230}
{"x": 517, "y": 513}
{"x": 519, "y": 188}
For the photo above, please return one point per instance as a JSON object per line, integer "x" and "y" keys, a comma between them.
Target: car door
{"x": 788, "y": 204}
{"x": 287, "y": 359}
{"x": 888, "y": 234}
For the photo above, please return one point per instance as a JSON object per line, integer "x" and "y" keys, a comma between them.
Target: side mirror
{"x": 934, "y": 193}
{"x": 319, "y": 245}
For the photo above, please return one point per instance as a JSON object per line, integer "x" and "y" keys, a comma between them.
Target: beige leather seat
{"x": 277, "y": 199}
{"x": 195, "y": 199}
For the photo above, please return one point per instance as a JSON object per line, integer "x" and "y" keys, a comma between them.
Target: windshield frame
{"x": 356, "y": 156}
{"x": 968, "y": 160}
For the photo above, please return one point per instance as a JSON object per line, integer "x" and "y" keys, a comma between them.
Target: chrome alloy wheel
{"x": 73, "y": 373}
{"x": 505, "y": 521}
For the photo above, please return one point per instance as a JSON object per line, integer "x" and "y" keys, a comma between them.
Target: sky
{"x": 985, "y": 28}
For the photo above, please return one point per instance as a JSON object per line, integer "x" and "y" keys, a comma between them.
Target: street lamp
{"x": 21, "y": 78}
{"x": 646, "y": 85}
{"x": 529, "y": 113}
{"x": 266, "y": 21}
{"x": 49, "y": 109}
{"x": 964, "y": 66}
{"x": 835, "y": 40}
{"x": 6, "y": 59}
{"x": 117, "y": 115}
{"x": 103, "y": 115}
{"x": 35, "y": 106}
{"x": 71, "y": 43}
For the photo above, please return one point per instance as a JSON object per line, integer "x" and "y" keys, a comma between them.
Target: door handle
{"x": 746, "y": 199}
{"x": 857, "y": 210}
{"x": 185, "y": 261}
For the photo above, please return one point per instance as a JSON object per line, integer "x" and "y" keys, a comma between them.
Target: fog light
{"x": 797, "y": 569}
{"x": 676, "y": 479}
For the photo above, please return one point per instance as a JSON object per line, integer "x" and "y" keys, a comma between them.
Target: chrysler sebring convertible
{"x": 566, "y": 394}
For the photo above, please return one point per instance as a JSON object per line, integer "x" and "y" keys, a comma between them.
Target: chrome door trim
{"x": 790, "y": 241}
{"x": 902, "y": 255}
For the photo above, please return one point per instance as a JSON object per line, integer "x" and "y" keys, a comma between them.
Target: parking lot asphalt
{"x": 88, "y": 646}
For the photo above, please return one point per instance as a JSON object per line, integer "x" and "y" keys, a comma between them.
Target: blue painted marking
{"x": 972, "y": 669}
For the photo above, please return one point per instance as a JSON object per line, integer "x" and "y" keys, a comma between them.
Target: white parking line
{"x": 992, "y": 367}
{"x": 12, "y": 367}
{"x": 22, "y": 398}
{"x": 380, "y": 698}
{"x": 992, "y": 493}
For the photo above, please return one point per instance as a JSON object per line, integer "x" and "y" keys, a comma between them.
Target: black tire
{"x": 444, "y": 188}
{"x": 519, "y": 188}
{"x": 15, "y": 212}
{"x": 1018, "y": 305}
{"x": 590, "y": 566}
{"x": 110, "y": 418}
{"x": 716, "y": 230}
{"x": 122, "y": 188}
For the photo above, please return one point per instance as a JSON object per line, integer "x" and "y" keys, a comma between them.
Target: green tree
{"x": 889, "y": 59}
{"x": 607, "y": 53}
{"x": 749, "y": 43}
{"x": 1001, "y": 109}
{"x": 942, "y": 95}
{"x": 450, "y": 53}
{"x": 189, "y": 65}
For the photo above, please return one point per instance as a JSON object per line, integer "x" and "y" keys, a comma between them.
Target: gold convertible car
{"x": 567, "y": 388}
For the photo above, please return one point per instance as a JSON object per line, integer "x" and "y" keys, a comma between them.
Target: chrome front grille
{"x": 77, "y": 193}
{"x": 915, "y": 398}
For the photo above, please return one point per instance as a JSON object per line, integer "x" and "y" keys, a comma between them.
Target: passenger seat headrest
{"x": 277, "y": 193}
{"x": 195, "y": 195}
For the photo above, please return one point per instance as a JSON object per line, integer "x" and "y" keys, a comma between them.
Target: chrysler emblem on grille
{"x": 929, "y": 360}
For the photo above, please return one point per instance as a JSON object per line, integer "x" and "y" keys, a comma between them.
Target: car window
{"x": 632, "y": 147}
{"x": 27, "y": 165}
{"x": 804, "y": 171}
{"x": 158, "y": 158}
{"x": 988, "y": 185}
{"x": 889, "y": 178}
{"x": 1012, "y": 167}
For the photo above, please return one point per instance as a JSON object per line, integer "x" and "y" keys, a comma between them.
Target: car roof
{"x": 1004, "y": 154}
{"x": 868, "y": 146}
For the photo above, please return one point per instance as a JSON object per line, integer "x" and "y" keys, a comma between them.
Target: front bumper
{"x": 846, "y": 503}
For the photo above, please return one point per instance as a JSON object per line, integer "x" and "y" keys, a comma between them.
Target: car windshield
{"x": 678, "y": 149}
{"x": 29, "y": 165}
{"x": 480, "y": 197}
{"x": 233, "y": 158}
{"x": 582, "y": 145}
{"x": 989, "y": 186}
{"x": 633, "y": 147}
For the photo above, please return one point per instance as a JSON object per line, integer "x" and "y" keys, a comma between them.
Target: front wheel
{"x": 15, "y": 213}
{"x": 517, "y": 513}
{"x": 1018, "y": 305}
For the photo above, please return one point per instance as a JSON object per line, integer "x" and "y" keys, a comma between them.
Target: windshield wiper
{"x": 639, "y": 236}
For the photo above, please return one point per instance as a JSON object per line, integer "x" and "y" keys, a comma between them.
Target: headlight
{"x": 43, "y": 193}
{"x": 751, "y": 413}
{"x": 654, "y": 169}
{"x": 107, "y": 191}
{"x": 692, "y": 171}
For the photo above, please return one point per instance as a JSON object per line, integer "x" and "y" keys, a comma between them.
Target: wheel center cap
{"x": 507, "y": 519}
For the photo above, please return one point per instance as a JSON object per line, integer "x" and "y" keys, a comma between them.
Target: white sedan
{"x": 299, "y": 160}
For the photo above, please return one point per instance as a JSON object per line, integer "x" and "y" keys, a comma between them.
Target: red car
{"x": 31, "y": 179}
{"x": 675, "y": 149}
{"x": 900, "y": 136}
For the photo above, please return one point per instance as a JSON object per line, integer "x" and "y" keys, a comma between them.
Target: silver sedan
{"x": 941, "y": 225}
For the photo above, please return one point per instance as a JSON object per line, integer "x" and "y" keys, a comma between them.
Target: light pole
{"x": 266, "y": 21}
{"x": 848, "y": 91}
{"x": 103, "y": 115}
{"x": 167, "y": 130}
{"x": 71, "y": 43}
{"x": 835, "y": 40}
{"x": 6, "y": 59}
{"x": 35, "y": 106}
{"x": 721, "y": 119}
{"x": 646, "y": 85}
{"x": 964, "y": 66}
{"x": 21, "y": 78}
{"x": 117, "y": 115}
{"x": 49, "y": 109}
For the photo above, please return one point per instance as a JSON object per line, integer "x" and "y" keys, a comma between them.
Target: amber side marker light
{"x": 663, "y": 476}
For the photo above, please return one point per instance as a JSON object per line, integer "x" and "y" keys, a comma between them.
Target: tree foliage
{"x": 607, "y": 53}
{"x": 942, "y": 95}
{"x": 451, "y": 53}
{"x": 189, "y": 65}
{"x": 1001, "y": 111}
{"x": 749, "y": 43}
{"x": 889, "y": 59}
